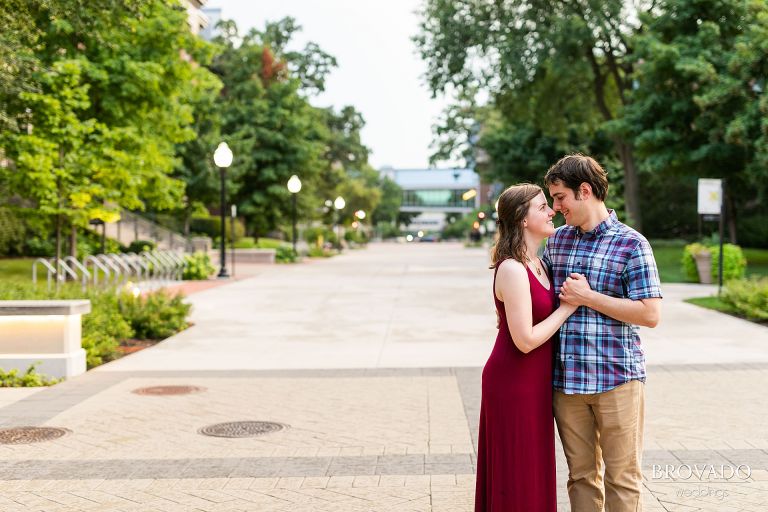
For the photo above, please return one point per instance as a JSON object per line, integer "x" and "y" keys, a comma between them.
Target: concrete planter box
{"x": 266, "y": 256}
{"x": 48, "y": 331}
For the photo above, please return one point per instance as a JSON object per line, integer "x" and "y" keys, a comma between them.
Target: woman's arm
{"x": 513, "y": 288}
{"x": 645, "y": 312}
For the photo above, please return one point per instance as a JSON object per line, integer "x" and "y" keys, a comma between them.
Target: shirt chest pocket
{"x": 606, "y": 277}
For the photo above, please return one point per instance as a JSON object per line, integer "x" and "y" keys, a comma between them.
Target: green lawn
{"x": 668, "y": 256}
{"x": 713, "y": 303}
{"x": 19, "y": 270}
{"x": 757, "y": 262}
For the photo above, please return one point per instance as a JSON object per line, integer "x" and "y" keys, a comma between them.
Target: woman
{"x": 516, "y": 444}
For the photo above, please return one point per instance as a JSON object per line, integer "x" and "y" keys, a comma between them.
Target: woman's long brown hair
{"x": 512, "y": 208}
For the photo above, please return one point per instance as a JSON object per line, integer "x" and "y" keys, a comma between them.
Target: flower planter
{"x": 704, "y": 266}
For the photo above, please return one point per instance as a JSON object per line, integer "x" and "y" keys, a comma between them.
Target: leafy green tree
{"x": 391, "y": 200}
{"x": 99, "y": 131}
{"x": 697, "y": 110}
{"x": 273, "y": 130}
{"x": 559, "y": 64}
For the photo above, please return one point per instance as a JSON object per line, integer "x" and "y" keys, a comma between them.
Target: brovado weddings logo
{"x": 702, "y": 472}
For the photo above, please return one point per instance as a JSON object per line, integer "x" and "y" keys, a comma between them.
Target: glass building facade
{"x": 436, "y": 198}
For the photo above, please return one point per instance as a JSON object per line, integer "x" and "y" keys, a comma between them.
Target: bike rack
{"x": 67, "y": 269}
{"x": 125, "y": 269}
{"x": 99, "y": 265}
{"x": 117, "y": 273}
{"x": 117, "y": 269}
{"x": 153, "y": 266}
{"x": 47, "y": 265}
{"x": 84, "y": 271}
{"x": 136, "y": 264}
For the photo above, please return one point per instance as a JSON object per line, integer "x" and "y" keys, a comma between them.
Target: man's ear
{"x": 585, "y": 191}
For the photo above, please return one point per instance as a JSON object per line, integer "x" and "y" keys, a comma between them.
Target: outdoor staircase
{"x": 133, "y": 227}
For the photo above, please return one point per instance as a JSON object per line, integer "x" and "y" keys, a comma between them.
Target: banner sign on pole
{"x": 710, "y": 196}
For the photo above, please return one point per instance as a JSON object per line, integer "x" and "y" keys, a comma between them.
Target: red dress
{"x": 516, "y": 442}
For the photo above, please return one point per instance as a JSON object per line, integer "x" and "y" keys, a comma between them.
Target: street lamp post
{"x": 222, "y": 157}
{"x": 339, "y": 204}
{"x": 294, "y": 186}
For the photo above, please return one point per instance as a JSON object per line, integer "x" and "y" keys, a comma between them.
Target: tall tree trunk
{"x": 187, "y": 221}
{"x": 73, "y": 241}
{"x": 623, "y": 148}
{"x": 631, "y": 183}
{"x": 58, "y": 250}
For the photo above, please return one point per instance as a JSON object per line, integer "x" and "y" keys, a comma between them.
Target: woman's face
{"x": 539, "y": 217}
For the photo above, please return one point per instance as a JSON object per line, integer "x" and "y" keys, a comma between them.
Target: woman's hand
{"x": 576, "y": 290}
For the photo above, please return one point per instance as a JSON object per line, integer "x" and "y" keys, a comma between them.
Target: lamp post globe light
{"x": 294, "y": 187}
{"x": 222, "y": 157}
{"x": 339, "y": 204}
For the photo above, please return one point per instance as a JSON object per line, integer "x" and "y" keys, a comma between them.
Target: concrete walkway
{"x": 372, "y": 360}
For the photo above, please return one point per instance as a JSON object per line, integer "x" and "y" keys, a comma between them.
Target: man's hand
{"x": 498, "y": 319}
{"x": 576, "y": 290}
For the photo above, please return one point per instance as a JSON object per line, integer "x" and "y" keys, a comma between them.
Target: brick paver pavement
{"x": 380, "y": 412}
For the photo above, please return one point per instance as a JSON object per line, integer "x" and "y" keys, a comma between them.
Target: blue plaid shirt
{"x": 596, "y": 353}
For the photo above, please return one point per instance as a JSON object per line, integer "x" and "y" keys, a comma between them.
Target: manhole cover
{"x": 242, "y": 429}
{"x": 168, "y": 390}
{"x": 27, "y": 435}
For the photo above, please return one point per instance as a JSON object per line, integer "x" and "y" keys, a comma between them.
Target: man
{"x": 599, "y": 373}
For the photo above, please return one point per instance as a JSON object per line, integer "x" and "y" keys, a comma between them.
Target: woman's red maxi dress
{"x": 516, "y": 442}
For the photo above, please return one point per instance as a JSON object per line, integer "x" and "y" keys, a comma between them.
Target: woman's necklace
{"x": 535, "y": 267}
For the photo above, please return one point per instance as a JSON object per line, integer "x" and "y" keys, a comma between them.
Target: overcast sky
{"x": 378, "y": 70}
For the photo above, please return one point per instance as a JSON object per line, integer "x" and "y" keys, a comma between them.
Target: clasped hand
{"x": 576, "y": 290}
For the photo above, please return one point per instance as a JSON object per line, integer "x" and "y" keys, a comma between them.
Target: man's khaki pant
{"x": 603, "y": 430}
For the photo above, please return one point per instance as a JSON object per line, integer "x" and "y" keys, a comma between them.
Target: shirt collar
{"x": 604, "y": 226}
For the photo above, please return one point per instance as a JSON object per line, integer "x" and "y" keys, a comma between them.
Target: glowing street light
{"x": 294, "y": 187}
{"x": 222, "y": 157}
{"x": 339, "y": 204}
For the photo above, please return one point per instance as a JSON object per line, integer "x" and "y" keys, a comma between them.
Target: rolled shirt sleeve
{"x": 641, "y": 274}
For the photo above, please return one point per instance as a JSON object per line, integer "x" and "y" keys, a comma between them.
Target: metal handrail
{"x": 46, "y": 264}
{"x": 154, "y": 229}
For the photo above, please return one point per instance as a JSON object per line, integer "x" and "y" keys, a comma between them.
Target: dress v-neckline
{"x": 548, "y": 288}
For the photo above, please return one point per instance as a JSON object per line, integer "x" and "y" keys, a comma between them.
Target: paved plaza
{"x": 371, "y": 361}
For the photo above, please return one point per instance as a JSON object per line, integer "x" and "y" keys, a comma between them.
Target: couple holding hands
{"x": 568, "y": 344}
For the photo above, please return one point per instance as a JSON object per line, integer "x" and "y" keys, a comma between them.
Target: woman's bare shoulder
{"x": 511, "y": 268}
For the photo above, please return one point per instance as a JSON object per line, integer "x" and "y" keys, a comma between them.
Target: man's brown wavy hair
{"x": 573, "y": 170}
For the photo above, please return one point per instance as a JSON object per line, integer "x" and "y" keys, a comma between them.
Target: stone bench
{"x": 246, "y": 256}
{"x": 45, "y": 331}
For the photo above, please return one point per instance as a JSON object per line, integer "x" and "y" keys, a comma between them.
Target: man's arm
{"x": 645, "y": 312}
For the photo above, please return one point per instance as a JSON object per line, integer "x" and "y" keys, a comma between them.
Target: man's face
{"x": 564, "y": 201}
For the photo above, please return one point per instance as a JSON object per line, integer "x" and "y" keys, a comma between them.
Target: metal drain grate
{"x": 27, "y": 435}
{"x": 168, "y": 390}
{"x": 242, "y": 429}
